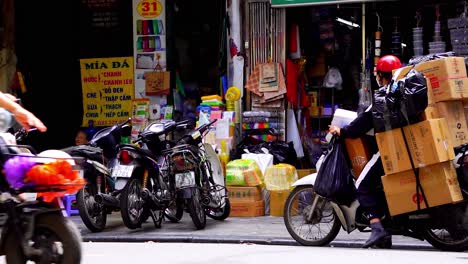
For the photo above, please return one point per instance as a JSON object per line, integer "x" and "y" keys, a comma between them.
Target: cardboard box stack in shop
{"x": 253, "y": 194}
{"x": 428, "y": 143}
{"x": 244, "y": 180}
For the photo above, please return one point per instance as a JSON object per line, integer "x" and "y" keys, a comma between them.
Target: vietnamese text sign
{"x": 108, "y": 90}
{"x": 284, "y": 3}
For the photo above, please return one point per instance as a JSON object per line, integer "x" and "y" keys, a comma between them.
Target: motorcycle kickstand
{"x": 157, "y": 220}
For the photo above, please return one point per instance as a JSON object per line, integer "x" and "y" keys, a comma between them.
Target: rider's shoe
{"x": 385, "y": 244}
{"x": 379, "y": 235}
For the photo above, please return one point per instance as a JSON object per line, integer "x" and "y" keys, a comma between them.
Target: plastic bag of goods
{"x": 243, "y": 172}
{"x": 280, "y": 177}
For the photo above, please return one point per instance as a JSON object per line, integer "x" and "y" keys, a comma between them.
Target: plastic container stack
{"x": 437, "y": 46}
{"x": 418, "y": 47}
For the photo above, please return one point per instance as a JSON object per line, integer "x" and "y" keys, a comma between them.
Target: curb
{"x": 240, "y": 240}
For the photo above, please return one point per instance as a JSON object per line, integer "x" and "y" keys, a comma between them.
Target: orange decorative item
{"x": 58, "y": 174}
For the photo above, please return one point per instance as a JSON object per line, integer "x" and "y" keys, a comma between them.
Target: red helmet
{"x": 388, "y": 63}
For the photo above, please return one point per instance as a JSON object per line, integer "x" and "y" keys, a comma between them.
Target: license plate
{"x": 122, "y": 171}
{"x": 186, "y": 179}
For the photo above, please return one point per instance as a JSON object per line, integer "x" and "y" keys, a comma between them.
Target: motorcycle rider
{"x": 369, "y": 184}
{"x": 25, "y": 118}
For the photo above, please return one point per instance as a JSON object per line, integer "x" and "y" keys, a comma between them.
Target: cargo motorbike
{"x": 313, "y": 220}
{"x": 99, "y": 197}
{"x": 36, "y": 228}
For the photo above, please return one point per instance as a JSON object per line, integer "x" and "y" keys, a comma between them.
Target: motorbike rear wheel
{"x": 93, "y": 214}
{"x": 324, "y": 221}
{"x": 452, "y": 233}
{"x": 132, "y": 205}
{"x": 196, "y": 210}
{"x": 55, "y": 235}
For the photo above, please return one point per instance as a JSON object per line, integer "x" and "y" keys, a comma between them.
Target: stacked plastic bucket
{"x": 437, "y": 46}
{"x": 418, "y": 47}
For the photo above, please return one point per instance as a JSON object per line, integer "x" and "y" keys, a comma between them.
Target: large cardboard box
{"x": 277, "y": 200}
{"x": 430, "y": 112}
{"x": 447, "y": 77}
{"x": 454, "y": 113}
{"x": 358, "y": 154}
{"x": 439, "y": 184}
{"x": 304, "y": 172}
{"x": 247, "y": 208}
{"x": 465, "y": 105}
{"x": 428, "y": 143}
{"x": 244, "y": 194}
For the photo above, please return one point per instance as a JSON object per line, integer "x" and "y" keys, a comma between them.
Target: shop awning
{"x": 286, "y": 3}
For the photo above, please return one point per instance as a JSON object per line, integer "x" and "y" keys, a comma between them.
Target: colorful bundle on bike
{"x": 22, "y": 171}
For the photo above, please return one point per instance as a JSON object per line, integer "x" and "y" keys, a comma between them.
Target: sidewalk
{"x": 268, "y": 230}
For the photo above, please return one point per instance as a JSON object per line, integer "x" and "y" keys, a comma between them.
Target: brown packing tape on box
{"x": 439, "y": 183}
{"x": 454, "y": 113}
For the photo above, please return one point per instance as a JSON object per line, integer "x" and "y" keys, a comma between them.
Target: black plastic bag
{"x": 283, "y": 152}
{"x": 334, "y": 178}
{"x": 401, "y": 103}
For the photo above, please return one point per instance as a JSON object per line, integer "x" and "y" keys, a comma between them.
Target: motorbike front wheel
{"x": 196, "y": 210}
{"x": 132, "y": 205}
{"x": 93, "y": 214}
{"x": 317, "y": 228}
{"x": 57, "y": 238}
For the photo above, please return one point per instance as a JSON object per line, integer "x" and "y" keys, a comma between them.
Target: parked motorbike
{"x": 197, "y": 177}
{"x": 35, "y": 229}
{"x": 313, "y": 220}
{"x": 99, "y": 197}
{"x": 144, "y": 188}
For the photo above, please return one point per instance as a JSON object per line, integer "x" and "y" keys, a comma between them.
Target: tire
{"x": 93, "y": 214}
{"x": 454, "y": 235}
{"x": 132, "y": 205}
{"x": 220, "y": 214}
{"x": 175, "y": 212}
{"x": 324, "y": 219}
{"x": 51, "y": 231}
{"x": 196, "y": 210}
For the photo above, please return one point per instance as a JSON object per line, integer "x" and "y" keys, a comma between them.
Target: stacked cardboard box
{"x": 246, "y": 201}
{"x": 427, "y": 146}
{"x": 447, "y": 86}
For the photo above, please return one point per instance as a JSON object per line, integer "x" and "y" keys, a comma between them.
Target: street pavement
{"x": 266, "y": 230}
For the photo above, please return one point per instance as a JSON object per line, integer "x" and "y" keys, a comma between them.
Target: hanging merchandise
{"x": 437, "y": 45}
{"x": 396, "y": 39}
{"x": 293, "y": 133}
{"x": 294, "y": 42}
{"x": 418, "y": 36}
{"x": 378, "y": 41}
{"x": 333, "y": 79}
